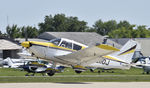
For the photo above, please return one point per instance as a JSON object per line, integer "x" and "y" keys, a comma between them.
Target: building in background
{"x": 9, "y": 48}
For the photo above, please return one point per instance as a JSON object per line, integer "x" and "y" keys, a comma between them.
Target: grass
{"x": 76, "y": 79}
{"x": 134, "y": 74}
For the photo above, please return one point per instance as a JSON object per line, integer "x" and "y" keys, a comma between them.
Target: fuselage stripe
{"x": 54, "y": 48}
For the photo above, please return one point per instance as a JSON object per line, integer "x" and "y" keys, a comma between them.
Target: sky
{"x": 32, "y": 12}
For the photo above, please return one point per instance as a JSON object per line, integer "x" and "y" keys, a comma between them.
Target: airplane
{"x": 12, "y": 63}
{"x": 16, "y": 63}
{"x": 40, "y": 67}
{"x": 72, "y": 53}
{"x": 111, "y": 64}
{"x": 143, "y": 63}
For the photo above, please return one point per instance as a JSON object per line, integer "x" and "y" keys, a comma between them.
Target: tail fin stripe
{"x": 128, "y": 51}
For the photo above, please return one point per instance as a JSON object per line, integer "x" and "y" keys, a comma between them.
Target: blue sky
{"x": 31, "y": 12}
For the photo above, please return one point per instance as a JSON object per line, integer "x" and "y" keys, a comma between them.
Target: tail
{"x": 126, "y": 52}
{"x": 10, "y": 62}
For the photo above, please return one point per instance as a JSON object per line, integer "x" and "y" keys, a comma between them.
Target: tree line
{"x": 62, "y": 23}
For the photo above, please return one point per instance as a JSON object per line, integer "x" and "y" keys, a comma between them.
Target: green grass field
{"x": 134, "y": 74}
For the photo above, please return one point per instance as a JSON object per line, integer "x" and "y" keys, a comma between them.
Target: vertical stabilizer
{"x": 126, "y": 52}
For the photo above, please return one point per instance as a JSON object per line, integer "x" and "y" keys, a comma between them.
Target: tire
{"x": 78, "y": 72}
{"x": 51, "y": 73}
{"x": 147, "y": 72}
{"x": 91, "y": 70}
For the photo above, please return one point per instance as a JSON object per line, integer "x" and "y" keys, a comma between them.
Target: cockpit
{"x": 55, "y": 41}
{"x": 68, "y": 44}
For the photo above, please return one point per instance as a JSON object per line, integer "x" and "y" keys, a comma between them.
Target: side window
{"x": 66, "y": 44}
{"x": 69, "y": 45}
{"x": 56, "y": 42}
{"x": 76, "y": 47}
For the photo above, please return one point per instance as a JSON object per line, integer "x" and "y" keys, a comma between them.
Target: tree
{"x": 61, "y": 23}
{"x": 74, "y": 25}
{"x": 32, "y": 32}
{"x": 90, "y": 29}
{"x": 142, "y": 32}
{"x": 47, "y": 25}
{"x": 124, "y": 23}
{"x": 0, "y": 33}
{"x": 120, "y": 33}
{"x": 104, "y": 28}
{"x": 13, "y": 32}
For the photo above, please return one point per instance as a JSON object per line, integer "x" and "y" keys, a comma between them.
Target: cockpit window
{"x": 43, "y": 62}
{"x": 66, "y": 44}
{"x": 77, "y": 47}
{"x": 55, "y": 41}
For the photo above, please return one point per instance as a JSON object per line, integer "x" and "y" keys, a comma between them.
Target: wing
{"x": 85, "y": 57}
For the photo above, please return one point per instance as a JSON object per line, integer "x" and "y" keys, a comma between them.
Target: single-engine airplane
{"x": 75, "y": 54}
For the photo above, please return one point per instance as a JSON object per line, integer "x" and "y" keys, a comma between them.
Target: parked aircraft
{"x": 16, "y": 63}
{"x": 75, "y": 54}
{"x": 144, "y": 63}
{"x": 13, "y": 63}
{"x": 42, "y": 67}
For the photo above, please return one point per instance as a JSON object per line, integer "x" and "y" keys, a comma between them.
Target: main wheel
{"x": 51, "y": 73}
{"x": 147, "y": 72}
{"x": 78, "y": 72}
{"x": 91, "y": 70}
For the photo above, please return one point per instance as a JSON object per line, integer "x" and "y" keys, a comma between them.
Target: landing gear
{"x": 99, "y": 71}
{"x": 147, "y": 72}
{"x": 91, "y": 70}
{"x": 78, "y": 72}
{"x": 51, "y": 73}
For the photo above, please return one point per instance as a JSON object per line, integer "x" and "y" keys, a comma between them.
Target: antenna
{"x": 7, "y": 21}
{"x": 26, "y": 34}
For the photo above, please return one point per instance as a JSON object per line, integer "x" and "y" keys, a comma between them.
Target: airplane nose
{"x": 25, "y": 44}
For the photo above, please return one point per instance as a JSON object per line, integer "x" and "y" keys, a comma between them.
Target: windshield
{"x": 44, "y": 62}
{"x": 55, "y": 41}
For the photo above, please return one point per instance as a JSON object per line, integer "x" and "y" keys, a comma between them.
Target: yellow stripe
{"x": 107, "y": 47}
{"x": 112, "y": 58}
{"x": 48, "y": 44}
{"x": 82, "y": 47}
{"x": 79, "y": 66}
{"x": 131, "y": 51}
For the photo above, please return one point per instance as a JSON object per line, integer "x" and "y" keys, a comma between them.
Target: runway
{"x": 78, "y": 85}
